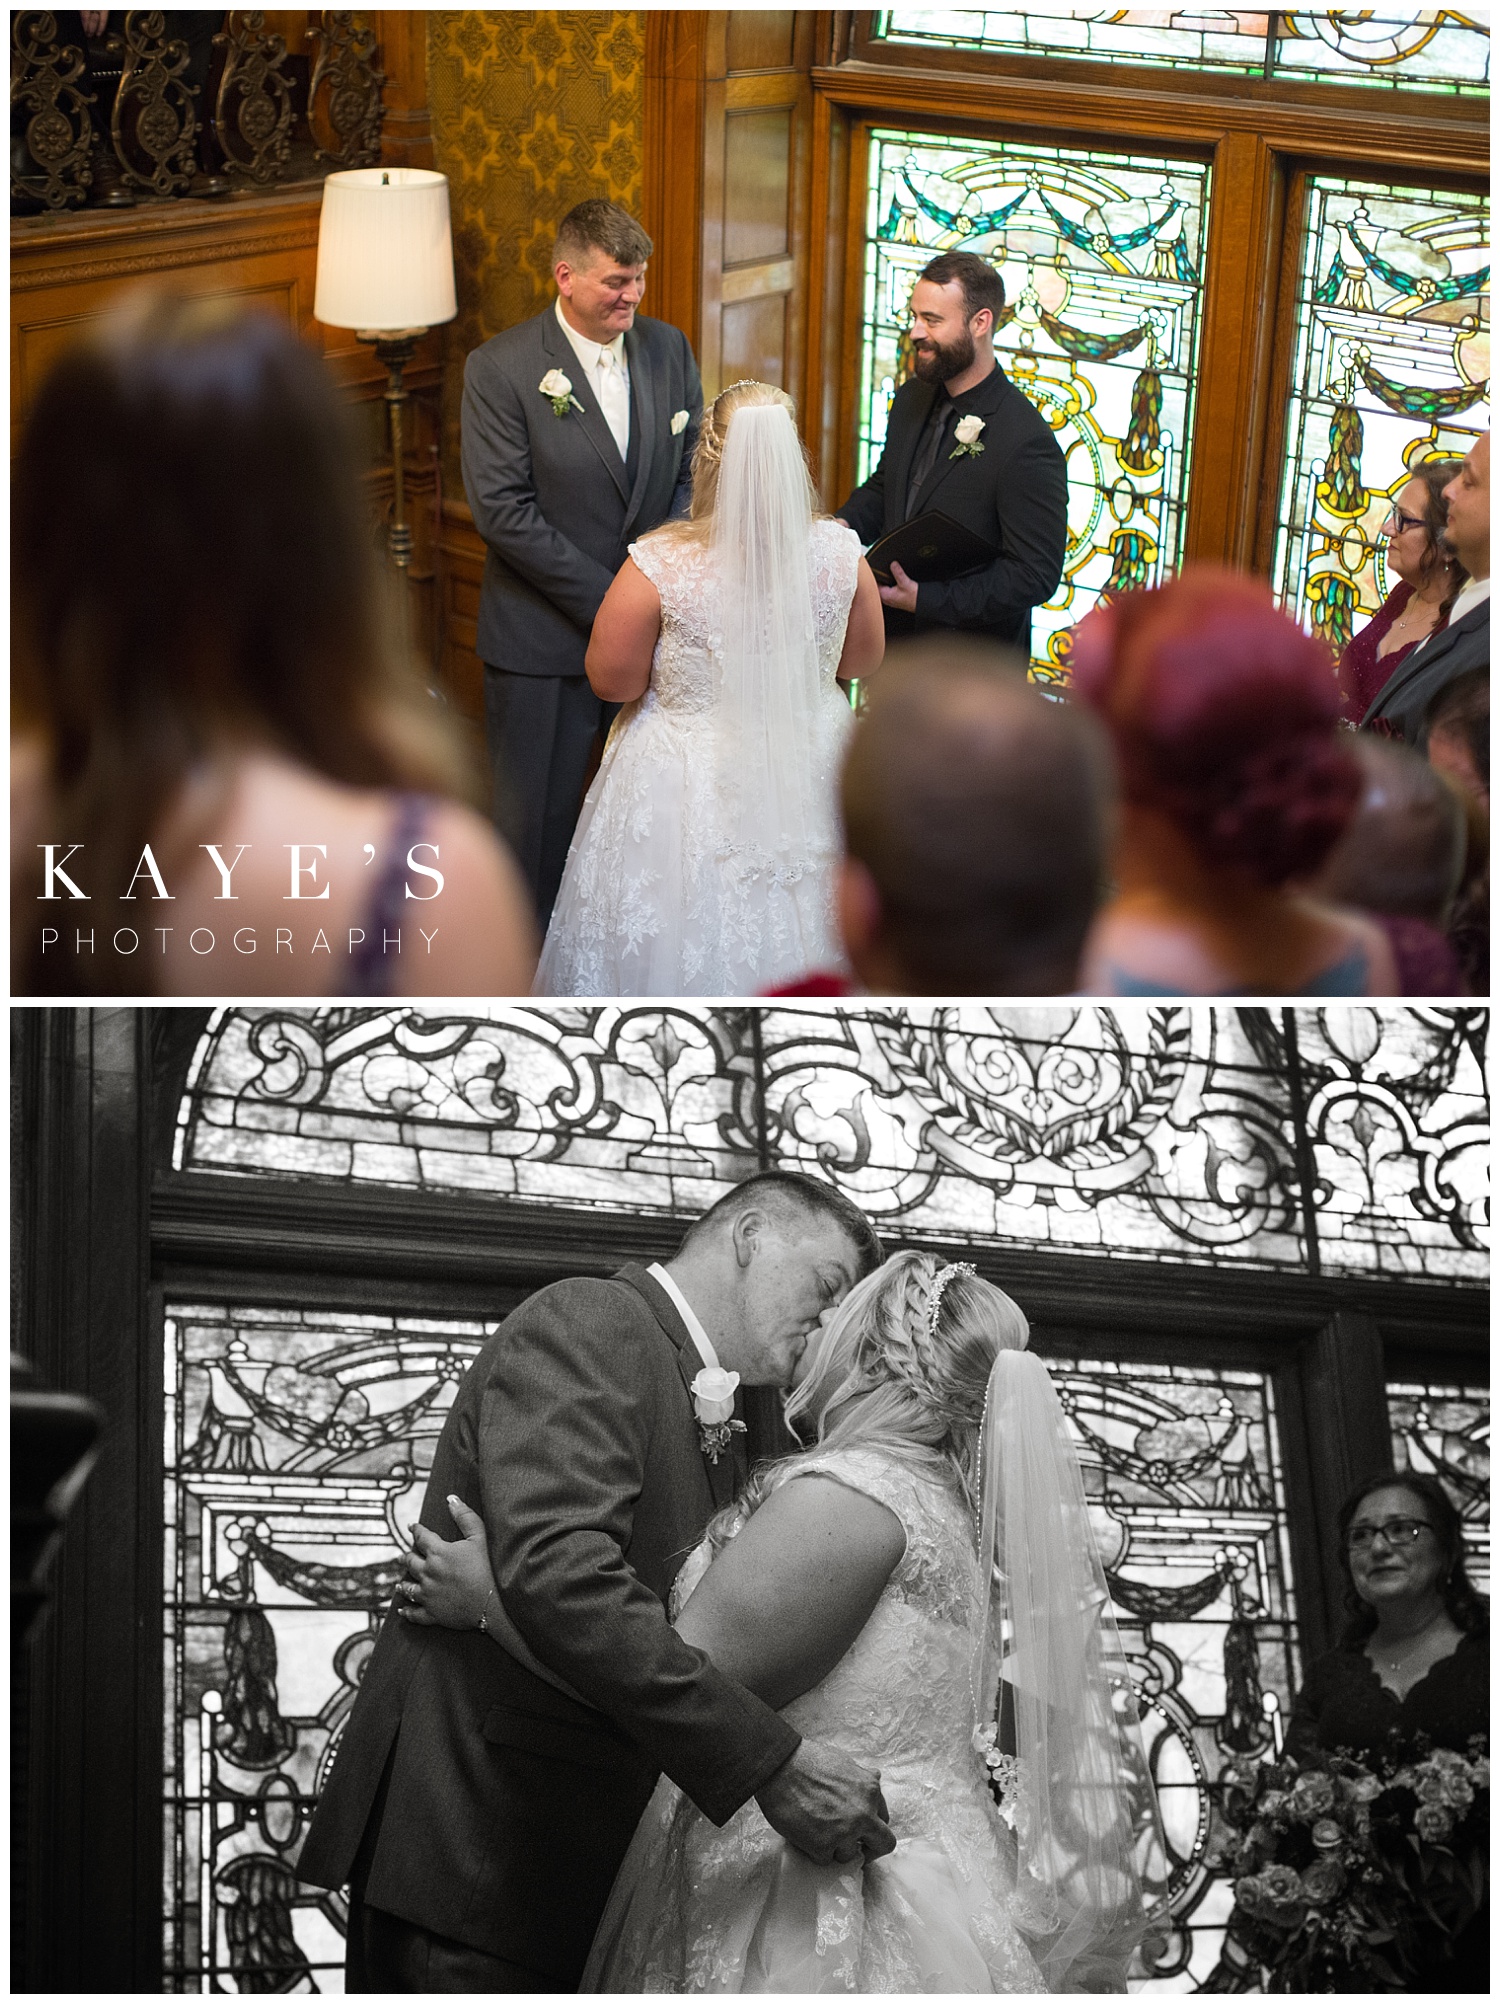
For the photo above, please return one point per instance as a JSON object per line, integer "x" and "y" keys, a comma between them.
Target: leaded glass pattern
{"x": 1390, "y": 364}
{"x": 1444, "y": 1430}
{"x": 297, "y": 1449}
{"x": 1161, "y": 1133}
{"x": 1397, "y": 48}
{"x": 1101, "y": 254}
{"x": 1183, "y": 1471}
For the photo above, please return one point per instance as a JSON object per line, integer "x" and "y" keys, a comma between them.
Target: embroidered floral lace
{"x": 697, "y": 1908}
{"x": 656, "y": 899}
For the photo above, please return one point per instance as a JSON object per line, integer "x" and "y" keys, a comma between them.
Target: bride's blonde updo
{"x": 906, "y": 1364}
{"x": 908, "y": 1359}
{"x": 709, "y": 452}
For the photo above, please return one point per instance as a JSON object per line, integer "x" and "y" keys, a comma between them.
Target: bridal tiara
{"x": 939, "y": 1281}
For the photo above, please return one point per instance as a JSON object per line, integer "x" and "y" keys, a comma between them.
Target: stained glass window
{"x": 1165, "y": 1133}
{"x": 1444, "y": 1430}
{"x": 1183, "y": 1473}
{"x": 1404, "y": 48}
{"x": 297, "y": 1449}
{"x": 1101, "y": 255}
{"x": 1390, "y": 365}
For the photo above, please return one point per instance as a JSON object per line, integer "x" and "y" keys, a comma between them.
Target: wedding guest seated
{"x": 1400, "y": 859}
{"x": 207, "y": 675}
{"x": 976, "y": 822}
{"x": 1413, "y": 1664}
{"x": 1428, "y": 579}
{"x": 1235, "y": 785}
{"x": 1458, "y": 744}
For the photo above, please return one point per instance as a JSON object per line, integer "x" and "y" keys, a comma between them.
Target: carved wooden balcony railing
{"x": 162, "y": 105}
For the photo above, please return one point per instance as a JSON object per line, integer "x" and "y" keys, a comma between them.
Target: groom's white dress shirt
{"x": 608, "y": 378}
{"x": 695, "y": 1328}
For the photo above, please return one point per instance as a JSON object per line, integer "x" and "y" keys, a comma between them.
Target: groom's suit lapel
{"x": 589, "y": 418}
{"x": 644, "y": 417}
{"x": 718, "y": 1475}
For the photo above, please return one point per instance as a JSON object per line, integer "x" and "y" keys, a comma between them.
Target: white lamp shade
{"x": 385, "y": 250}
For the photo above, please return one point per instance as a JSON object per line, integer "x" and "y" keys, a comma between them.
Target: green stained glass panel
{"x": 1102, "y": 260}
{"x": 1389, "y": 368}
{"x": 1399, "y": 48}
{"x": 1402, "y": 48}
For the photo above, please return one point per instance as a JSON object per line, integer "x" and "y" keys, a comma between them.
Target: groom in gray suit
{"x": 578, "y": 433}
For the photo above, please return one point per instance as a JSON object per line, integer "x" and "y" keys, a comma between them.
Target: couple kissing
{"x": 859, "y": 1727}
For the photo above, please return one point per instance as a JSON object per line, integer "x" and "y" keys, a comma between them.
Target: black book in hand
{"x": 930, "y": 549}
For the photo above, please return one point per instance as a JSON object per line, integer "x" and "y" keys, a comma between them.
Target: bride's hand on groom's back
{"x": 828, "y": 1806}
{"x": 447, "y": 1581}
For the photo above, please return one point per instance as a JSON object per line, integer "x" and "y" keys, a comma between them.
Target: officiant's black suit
{"x": 504, "y": 1807}
{"x": 1014, "y": 494}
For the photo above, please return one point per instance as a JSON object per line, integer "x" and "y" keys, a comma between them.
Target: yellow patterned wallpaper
{"x": 531, "y": 112}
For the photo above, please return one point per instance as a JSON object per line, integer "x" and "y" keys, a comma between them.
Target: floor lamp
{"x": 385, "y": 268}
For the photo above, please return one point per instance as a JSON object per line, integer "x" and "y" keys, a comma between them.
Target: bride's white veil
{"x": 761, "y": 534}
{"x": 1091, "y": 1866}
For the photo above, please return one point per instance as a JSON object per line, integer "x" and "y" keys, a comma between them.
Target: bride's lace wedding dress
{"x": 658, "y": 897}
{"x": 697, "y": 1908}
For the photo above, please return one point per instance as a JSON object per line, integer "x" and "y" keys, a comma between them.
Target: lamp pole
{"x": 395, "y": 350}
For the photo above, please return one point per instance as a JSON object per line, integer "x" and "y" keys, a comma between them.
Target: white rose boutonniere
{"x": 713, "y": 1403}
{"x": 967, "y": 431}
{"x": 679, "y": 422}
{"x": 559, "y": 392}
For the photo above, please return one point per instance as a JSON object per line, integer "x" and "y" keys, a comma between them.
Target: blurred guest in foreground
{"x": 1413, "y": 1664}
{"x": 1235, "y": 785}
{"x": 1405, "y": 701}
{"x": 976, "y": 827}
{"x": 1400, "y": 859}
{"x": 1428, "y": 580}
{"x": 205, "y": 678}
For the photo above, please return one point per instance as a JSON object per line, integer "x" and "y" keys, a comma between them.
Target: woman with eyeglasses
{"x": 1413, "y": 1663}
{"x": 1429, "y": 577}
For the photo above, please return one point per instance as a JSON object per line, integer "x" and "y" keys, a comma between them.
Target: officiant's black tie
{"x": 934, "y": 433}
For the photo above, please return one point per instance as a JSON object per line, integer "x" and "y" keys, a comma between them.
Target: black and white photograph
{"x": 534, "y": 1464}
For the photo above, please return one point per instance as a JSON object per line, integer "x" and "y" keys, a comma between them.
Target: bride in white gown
{"x": 704, "y": 858}
{"x": 848, "y": 1587}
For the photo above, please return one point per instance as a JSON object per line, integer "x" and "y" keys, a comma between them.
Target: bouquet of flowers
{"x": 1356, "y": 1875}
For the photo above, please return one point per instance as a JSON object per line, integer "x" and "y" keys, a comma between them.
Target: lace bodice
{"x": 686, "y": 672}
{"x": 900, "y": 1696}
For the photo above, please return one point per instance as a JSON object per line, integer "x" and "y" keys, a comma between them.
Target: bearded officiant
{"x": 578, "y": 435}
{"x": 962, "y": 440}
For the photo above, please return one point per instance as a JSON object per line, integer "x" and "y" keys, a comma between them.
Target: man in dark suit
{"x": 962, "y": 439}
{"x": 487, "y": 1784}
{"x": 1406, "y": 701}
{"x": 560, "y": 480}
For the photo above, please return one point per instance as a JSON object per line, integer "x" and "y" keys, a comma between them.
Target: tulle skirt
{"x": 657, "y": 899}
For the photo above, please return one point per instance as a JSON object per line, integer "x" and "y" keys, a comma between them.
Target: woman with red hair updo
{"x": 1234, "y": 786}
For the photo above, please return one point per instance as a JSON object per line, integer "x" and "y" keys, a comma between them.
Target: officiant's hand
{"x": 902, "y": 595}
{"x": 447, "y": 1581}
{"x": 829, "y": 1806}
